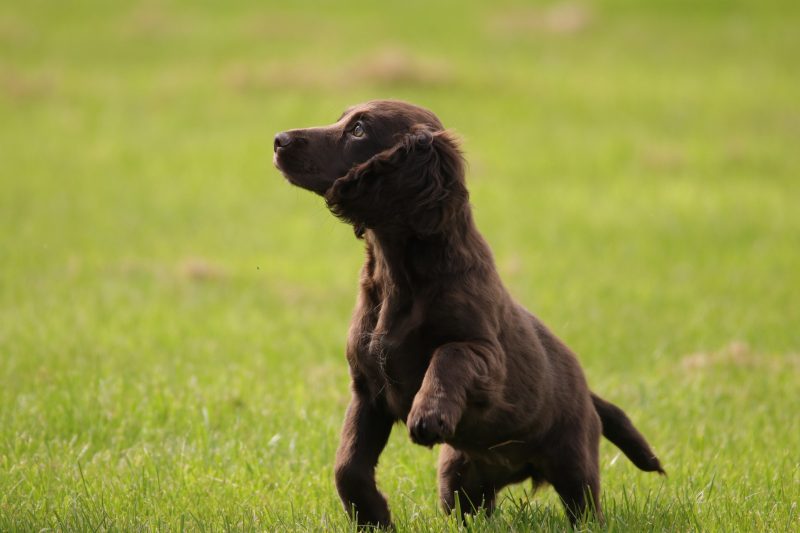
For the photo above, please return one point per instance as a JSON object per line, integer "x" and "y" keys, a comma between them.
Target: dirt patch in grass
{"x": 738, "y": 354}
{"x": 288, "y": 25}
{"x": 565, "y": 18}
{"x": 390, "y": 66}
{"x": 193, "y": 269}
{"x": 397, "y": 66}
{"x": 20, "y": 85}
{"x": 13, "y": 30}
{"x": 199, "y": 269}
{"x": 148, "y": 20}
{"x": 662, "y": 157}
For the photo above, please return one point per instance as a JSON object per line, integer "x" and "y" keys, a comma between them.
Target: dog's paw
{"x": 430, "y": 424}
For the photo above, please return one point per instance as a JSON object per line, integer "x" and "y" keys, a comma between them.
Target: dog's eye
{"x": 358, "y": 130}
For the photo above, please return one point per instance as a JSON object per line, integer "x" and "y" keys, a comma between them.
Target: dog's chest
{"x": 393, "y": 350}
{"x": 398, "y": 366}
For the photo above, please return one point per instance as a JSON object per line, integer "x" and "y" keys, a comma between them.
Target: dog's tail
{"x": 618, "y": 428}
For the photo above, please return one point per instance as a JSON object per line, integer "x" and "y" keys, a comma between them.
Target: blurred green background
{"x": 173, "y": 313}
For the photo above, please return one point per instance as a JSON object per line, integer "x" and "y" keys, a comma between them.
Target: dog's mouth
{"x": 285, "y": 167}
{"x": 306, "y": 175}
{"x": 276, "y": 162}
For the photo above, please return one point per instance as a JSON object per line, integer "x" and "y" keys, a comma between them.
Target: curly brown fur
{"x": 436, "y": 341}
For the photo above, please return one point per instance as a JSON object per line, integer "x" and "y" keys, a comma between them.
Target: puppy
{"x": 436, "y": 341}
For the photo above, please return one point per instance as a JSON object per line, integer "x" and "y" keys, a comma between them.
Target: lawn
{"x": 173, "y": 313}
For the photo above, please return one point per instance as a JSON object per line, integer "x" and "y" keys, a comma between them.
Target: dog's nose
{"x": 282, "y": 140}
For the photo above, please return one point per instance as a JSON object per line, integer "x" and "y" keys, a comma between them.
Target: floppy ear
{"x": 417, "y": 185}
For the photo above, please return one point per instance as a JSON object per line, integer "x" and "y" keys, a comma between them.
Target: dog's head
{"x": 384, "y": 165}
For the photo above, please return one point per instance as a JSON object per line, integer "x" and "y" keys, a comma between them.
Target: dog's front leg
{"x": 364, "y": 435}
{"x": 457, "y": 370}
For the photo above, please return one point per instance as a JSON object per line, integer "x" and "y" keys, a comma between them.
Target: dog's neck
{"x": 410, "y": 261}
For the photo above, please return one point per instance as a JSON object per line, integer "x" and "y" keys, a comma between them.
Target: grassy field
{"x": 173, "y": 313}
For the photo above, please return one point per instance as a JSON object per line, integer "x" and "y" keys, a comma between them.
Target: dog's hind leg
{"x": 462, "y": 485}
{"x": 579, "y": 492}
{"x": 574, "y": 471}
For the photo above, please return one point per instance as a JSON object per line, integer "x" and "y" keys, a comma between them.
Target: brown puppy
{"x": 436, "y": 341}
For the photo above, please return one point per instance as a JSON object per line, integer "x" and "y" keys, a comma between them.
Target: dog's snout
{"x": 282, "y": 140}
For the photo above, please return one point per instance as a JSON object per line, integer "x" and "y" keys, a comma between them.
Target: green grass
{"x": 173, "y": 314}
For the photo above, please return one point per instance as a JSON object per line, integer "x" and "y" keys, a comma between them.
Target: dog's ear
{"x": 417, "y": 185}
{"x": 443, "y": 190}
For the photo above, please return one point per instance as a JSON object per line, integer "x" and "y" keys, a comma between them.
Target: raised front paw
{"x": 430, "y": 422}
